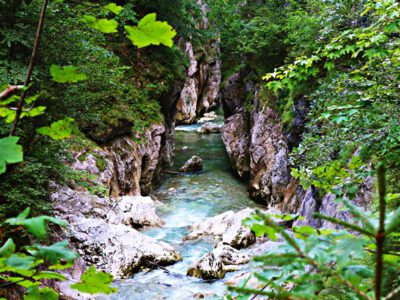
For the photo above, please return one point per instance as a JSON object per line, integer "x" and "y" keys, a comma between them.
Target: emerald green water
{"x": 189, "y": 198}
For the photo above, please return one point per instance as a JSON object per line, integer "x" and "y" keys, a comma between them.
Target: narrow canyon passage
{"x": 187, "y": 199}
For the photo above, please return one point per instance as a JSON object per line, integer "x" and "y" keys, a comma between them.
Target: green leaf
{"x": 93, "y": 282}
{"x": 49, "y": 275}
{"x": 114, "y": 8}
{"x": 102, "y": 25}
{"x": 19, "y": 263}
{"x": 66, "y": 74}
{"x": 36, "y": 226}
{"x": 56, "y": 253}
{"x": 151, "y": 32}
{"x": 59, "y": 130}
{"x": 8, "y": 248}
{"x": 10, "y": 152}
{"x": 37, "y": 293}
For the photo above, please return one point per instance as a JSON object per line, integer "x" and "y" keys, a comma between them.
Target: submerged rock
{"x": 215, "y": 264}
{"x": 208, "y": 128}
{"x": 192, "y": 165}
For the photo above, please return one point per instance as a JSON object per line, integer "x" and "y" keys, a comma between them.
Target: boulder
{"x": 137, "y": 211}
{"x": 118, "y": 249}
{"x": 194, "y": 164}
{"x": 238, "y": 235}
{"x": 208, "y": 128}
{"x": 215, "y": 264}
{"x": 101, "y": 231}
{"x": 207, "y": 117}
{"x": 228, "y": 227}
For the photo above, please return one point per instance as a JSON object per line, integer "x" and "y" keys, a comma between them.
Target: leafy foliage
{"x": 94, "y": 282}
{"x": 29, "y": 265}
{"x": 10, "y": 152}
{"x": 151, "y": 32}
{"x": 66, "y": 74}
{"x": 304, "y": 266}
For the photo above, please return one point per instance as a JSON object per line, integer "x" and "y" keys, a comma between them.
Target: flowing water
{"x": 189, "y": 198}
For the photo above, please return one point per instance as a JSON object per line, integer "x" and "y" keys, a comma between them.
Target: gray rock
{"x": 202, "y": 82}
{"x": 194, "y": 164}
{"x": 137, "y": 211}
{"x": 309, "y": 205}
{"x": 208, "y": 128}
{"x": 214, "y": 265}
{"x": 235, "y": 135}
{"x": 118, "y": 249}
{"x": 268, "y": 158}
{"x": 228, "y": 227}
{"x": 97, "y": 231}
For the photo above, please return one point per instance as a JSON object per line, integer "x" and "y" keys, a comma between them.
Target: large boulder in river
{"x": 194, "y": 164}
{"x": 137, "y": 211}
{"x": 208, "y": 128}
{"x": 118, "y": 249}
{"x": 228, "y": 227}
{"x": 101, "y": 231}
{"x": 215, "y": 264}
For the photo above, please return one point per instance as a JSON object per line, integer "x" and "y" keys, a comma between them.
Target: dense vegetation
{"x": 341, "y": 57}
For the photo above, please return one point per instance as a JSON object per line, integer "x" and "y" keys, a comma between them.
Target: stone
{"x": 97, "y": 232}
{"x": 137, "y": 211}
{"x": 207, "y": 117}
{"x": 119, "y": 249}
{"x": 208, "y": 128}
{"x": 235, "y": 135}
{"x": 215, "y": 264}
{"x": 215, "y": 226}
{"x": 123, "y": 166}
{"x": 194, "y": 164}
{"x": 309, "y": 205}
{"x": 237, "y": 235}
{"x": 228, "y": 227}
{"x": 208, "y": 267}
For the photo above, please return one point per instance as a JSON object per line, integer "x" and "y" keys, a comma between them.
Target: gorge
{"x": 192, "y": 149}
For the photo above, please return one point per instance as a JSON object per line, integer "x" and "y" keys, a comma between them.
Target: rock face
{"x": 203, "y": 78}
{"x": 194, "y": 164}
{"x": 123, "y": 166}
{"x": 98, "y": 229}
{"x": 268, "y": 158}
{"x": 215, "y": 264}
{"x": 235, "y": 134}
{"x": 256, "y": 147}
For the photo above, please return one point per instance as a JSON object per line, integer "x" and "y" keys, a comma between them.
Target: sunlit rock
{"x": 194, "y": 164}
{"x": 215, "y": 264}
{"x": 208, "y": 128}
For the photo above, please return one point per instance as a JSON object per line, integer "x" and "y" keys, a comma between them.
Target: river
{"x": 186, "y": 199}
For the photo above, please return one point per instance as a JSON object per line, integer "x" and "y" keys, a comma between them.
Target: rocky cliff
{"x": 259, "y": 146}
{"x": 203, "y": 79}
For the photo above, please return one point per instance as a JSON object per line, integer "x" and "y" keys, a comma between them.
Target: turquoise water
{"x": 189, "y": 198}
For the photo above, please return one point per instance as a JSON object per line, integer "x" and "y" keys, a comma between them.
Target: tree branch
{"x": 30, "y": 68}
